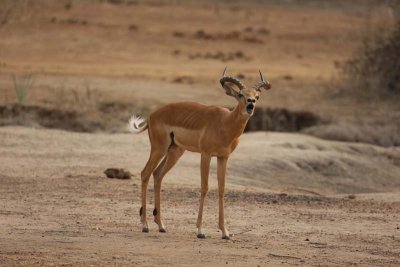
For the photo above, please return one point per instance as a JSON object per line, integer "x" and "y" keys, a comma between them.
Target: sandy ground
{"x": 58, "y": 208}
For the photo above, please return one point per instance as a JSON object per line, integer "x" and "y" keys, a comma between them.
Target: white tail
{"x": 137, "y": 124}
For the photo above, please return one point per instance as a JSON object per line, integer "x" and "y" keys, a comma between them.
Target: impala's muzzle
{"x": 250, "y": 108}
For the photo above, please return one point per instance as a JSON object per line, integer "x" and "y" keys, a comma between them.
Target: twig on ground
{"x": 283, "y": 256}
{"x": 246, "y": 231}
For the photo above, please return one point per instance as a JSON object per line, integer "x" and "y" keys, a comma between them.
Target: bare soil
{"x": 282, "y": 207}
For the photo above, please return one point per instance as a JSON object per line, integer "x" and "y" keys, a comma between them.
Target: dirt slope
{"x": 274, "y": 161}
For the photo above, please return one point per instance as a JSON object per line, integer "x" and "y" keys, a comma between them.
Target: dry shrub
{"x": 371, "y": 81}
{"x": 374, "y": 72}
{"x": 14, "y": 10}
{"x": 222, "y": 56}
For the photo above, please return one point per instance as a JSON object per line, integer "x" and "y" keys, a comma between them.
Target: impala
{"x": 209, "y": 130}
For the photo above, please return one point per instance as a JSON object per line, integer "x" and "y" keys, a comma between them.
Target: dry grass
{"x": 21, "y": 86}
{"x": 119, "y": 63}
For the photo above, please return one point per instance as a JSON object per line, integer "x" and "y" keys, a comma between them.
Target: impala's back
{"x": 186, "y": 123}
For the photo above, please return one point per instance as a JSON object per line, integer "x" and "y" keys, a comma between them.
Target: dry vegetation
{"x": 370, "y": 79}
{"x": 373, "y": 74}
{"x": 142, "y": 41}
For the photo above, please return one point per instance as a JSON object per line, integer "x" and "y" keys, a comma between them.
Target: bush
{"x": 374, "y": 72}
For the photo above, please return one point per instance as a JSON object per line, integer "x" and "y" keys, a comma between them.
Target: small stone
{"x": 117, "y": 173}
{"x": 201, "y": 236}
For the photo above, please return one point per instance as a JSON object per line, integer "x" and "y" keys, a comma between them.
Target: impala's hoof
{"x": 145, "y": 230}
{"x": 162, "y": 230}
{"x": 226, "y": 237}
{"x": 201, "y": 236}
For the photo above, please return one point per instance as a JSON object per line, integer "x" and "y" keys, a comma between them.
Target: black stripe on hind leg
{"x": 172, "y": 136}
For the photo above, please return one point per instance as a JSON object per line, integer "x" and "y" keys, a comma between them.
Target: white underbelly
{"x": 186, "y": 138}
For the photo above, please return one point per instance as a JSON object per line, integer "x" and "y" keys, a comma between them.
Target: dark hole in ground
{"x": 281, "y": 120}
{"x": 48, "y": 117}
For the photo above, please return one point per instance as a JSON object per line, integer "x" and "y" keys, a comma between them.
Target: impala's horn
{"x": 262, "y": 84}
{"x": 229, "y": 79}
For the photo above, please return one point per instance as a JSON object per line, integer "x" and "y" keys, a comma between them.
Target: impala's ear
{"x": 230, "y": 89}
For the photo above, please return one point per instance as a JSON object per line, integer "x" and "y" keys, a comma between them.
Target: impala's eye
{"x": 240, "y": 95}
{"x": 257, "y": 97}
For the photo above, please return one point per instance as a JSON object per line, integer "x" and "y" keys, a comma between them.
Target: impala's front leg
{"x": 221, "y": 171}
{"x": 205, "y": 171}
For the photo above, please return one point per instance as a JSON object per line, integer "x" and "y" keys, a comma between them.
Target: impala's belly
{"x": 199, "y": 141}
{"x": 186, "y": 138}
{"x": 217, "y": 147}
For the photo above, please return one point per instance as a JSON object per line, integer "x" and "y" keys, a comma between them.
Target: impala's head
{"x": 247, "y": 97}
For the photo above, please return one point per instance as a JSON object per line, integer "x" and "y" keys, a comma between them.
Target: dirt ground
{"x": 58, "y": 208}
{"x": 291, "y": 199}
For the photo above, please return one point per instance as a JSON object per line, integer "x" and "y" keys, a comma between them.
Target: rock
{"x": 117, "y": 173}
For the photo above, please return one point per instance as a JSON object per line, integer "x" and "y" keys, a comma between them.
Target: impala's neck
{"x": 237, "y": 121}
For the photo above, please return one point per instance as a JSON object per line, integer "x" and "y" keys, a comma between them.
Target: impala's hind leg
{"x": 173, "y": 155}
{"x": 155, "y": 157}
{"x": 159, "y": 145}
